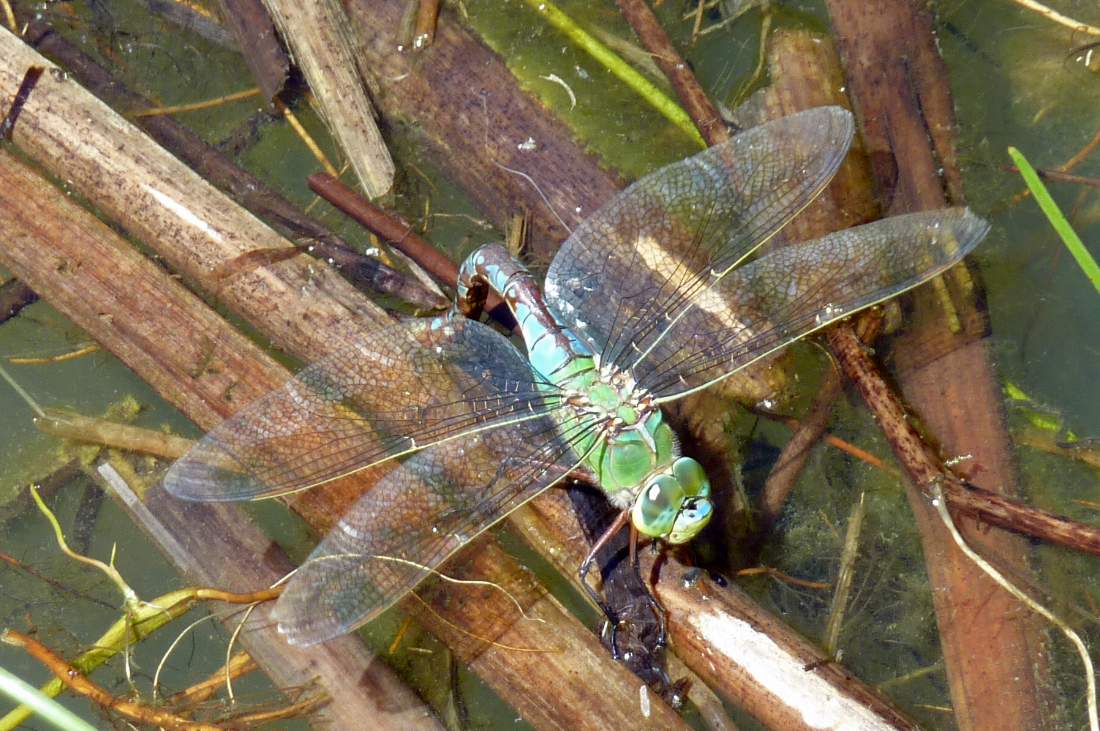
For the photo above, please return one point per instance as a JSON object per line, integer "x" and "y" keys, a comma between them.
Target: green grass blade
{"x": 1057, "y": 218}
{"x": 47, "y": 709}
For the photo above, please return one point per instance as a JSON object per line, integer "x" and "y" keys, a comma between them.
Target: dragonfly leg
{"x": 654, "y": 605}
{"x": 586, "y": 567}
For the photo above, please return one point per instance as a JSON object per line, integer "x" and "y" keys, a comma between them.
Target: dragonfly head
{"x": 674, "y": 505}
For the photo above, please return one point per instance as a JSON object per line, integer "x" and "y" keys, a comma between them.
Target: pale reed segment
{"x": 192, "y": 225}
{"x": 321, "y": 45}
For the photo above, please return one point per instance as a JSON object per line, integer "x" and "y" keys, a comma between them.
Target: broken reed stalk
{"x": 319, "y": 36}
{"x": 80, "y": 428}
{"x": 217, "y": 168}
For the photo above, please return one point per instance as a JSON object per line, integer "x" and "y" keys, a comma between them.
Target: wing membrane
{"x": 633, "y": 267}
{"x": 404, "y": 387}
{"x": 415, "y": 517}
{"x": 768, "y": 303}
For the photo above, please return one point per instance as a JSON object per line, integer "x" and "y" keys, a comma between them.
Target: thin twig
{"x": 1054, "y": 15}
{"x": 844, "y": 578}
{"x": 940, "y": 504}
{"x": 241, "y": 664}
{"x": 306, "y": 138}
{"x": 80, "y": 684}
{"x": 195, "y": 106}
{"x": 649, "y": 31}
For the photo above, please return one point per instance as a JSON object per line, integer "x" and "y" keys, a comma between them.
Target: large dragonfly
{"x": 650, "y": 299}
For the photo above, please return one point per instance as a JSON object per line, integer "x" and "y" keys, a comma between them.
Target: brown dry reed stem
{"x": 696, "y": 103}
{"x": 427, "y": 15}
{"x": 81, "y": 685}
{"x": 397, "y": 232}
{"x": 239, "y": 665}
{"x": 925, "y": 469}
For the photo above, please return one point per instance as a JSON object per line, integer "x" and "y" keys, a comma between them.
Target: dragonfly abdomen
{"x": 550, "y": 347}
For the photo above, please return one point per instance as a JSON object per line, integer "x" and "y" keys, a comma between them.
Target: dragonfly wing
{"x": 401, "y": 388}
{"x": 768, "y": 303}
{"x": 415, "y": 517}
{"x": 632, "y": 267}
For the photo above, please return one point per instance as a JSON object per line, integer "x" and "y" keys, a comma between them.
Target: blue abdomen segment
{"x": 550, "y": 348}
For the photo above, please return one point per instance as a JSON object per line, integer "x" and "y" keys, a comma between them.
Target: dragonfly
{"x": 655, "y": 296}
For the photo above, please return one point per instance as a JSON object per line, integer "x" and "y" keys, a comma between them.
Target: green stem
{"x": 616, "y": 65}
{"x": 47, "y": 708}
{"x": 1057, "y": 218}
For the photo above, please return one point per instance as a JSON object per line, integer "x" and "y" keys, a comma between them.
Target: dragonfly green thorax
{"x": 651, "y": 298}
{"x": 632, "y": 453}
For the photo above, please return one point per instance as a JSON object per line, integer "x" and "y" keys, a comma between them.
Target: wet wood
{"x": 993, "y": 649}
{"x": 159, "y": 330}
{"x": 254, "y": 31}
{"x": 218, "y": 169}
{"x": 739, "y": 649}
{"x": 472, "y": 115}
{"x": 306, "y": 309}
{"x": 679, "y": 74}
{"x": 320, "y": 39}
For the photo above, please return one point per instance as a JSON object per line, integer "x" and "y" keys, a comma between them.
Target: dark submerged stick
{"x": 14, "y": 296}
{"x": 254, "y": 31}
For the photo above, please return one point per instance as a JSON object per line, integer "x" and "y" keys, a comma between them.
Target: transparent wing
{"x": 404, "y": 387}
{"x": 634, "y": 266}
{"x": 415, "y": 517}
{"x": 768, "y": 303}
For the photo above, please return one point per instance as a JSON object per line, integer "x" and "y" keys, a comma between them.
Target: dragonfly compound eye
{"x": 654, "y": 512}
